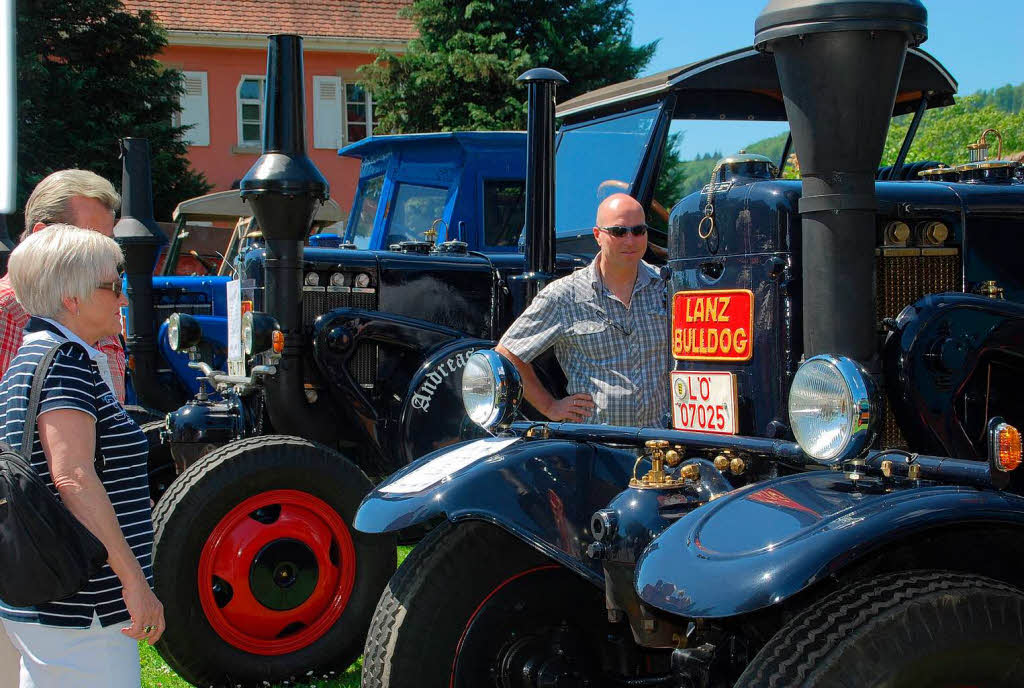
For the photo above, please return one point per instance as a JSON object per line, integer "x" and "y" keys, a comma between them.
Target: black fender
{"x": 542, "y": 491}
{"x": 764, "y": 543}
{"x": 432, "y": 415}
{"x": 939, "y": 344}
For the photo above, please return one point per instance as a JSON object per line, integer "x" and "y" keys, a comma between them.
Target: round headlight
{"x": 312, "y": 279}
{"x": 183, "y": 331}
{"x": 833, "y": 408}
{"x": 491, "y": 389}
{"x": 258, "y": 332}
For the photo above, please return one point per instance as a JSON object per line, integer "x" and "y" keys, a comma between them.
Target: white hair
{"x": 49, "y": 200}
{"x": 59, "y": 262}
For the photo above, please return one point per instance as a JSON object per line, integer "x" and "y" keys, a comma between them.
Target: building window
{"x": 195, "y": 110}
{"x": 251, "y": 90}
{"x": 358, "y": 113}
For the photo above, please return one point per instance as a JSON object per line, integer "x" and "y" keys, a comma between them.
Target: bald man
{"x": 608, "y": 324}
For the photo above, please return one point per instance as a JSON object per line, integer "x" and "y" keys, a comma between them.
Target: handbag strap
{"x": 38, "y": 378}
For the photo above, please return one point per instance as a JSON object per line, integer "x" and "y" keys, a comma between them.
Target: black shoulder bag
{"x": 47, "y": 553}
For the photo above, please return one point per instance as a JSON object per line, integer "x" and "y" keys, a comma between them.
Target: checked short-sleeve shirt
{"x": 618, "y": 355}
{"x": 14, "y": 317}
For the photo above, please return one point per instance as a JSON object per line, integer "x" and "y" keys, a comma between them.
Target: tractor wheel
{"x": 908, "y": 630}
{"x": 260, "y": 574}
{"x": 161, "y": 465}
{"x": 473, "y": 606}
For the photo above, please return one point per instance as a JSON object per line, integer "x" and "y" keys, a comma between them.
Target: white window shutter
{"x": 195, "y": 109}
{"x": 327, "y": 112}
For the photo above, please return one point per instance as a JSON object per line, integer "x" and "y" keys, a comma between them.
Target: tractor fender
{"x": 764, "y": 543}
{"x": 542, "y": 491}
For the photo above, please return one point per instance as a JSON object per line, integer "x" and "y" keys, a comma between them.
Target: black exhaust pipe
{"x": 285, "y": 189}
{"x": 541, "y": 84}
{"x": 141, "y": 239}
{"x": 839, "y": 65}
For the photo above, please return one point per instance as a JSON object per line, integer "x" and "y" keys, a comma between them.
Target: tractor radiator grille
{"x": 167, "y": 305}
{"x": 317, "y": 301}
{"x": 902, "y": 277}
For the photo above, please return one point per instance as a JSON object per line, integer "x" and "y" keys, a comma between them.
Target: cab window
{"x": 414, "y": 211}
{"x": 364, "y": 210}
{"x": 504, "y": 211}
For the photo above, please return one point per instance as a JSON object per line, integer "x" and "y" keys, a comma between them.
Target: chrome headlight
{"x": 258, "y": 332}
{"x": 833, "y": 408}
{"x": 491, "y": 389}
{"x": 183, "y": 331}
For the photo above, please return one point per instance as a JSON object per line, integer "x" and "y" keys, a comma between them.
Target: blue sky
{"x": 979, "y": 41}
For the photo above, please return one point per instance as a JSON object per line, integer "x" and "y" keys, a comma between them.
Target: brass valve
{"x": 721, "y": 462}
{"x": 990, "y": 289}
{"x": 657, "y": 475}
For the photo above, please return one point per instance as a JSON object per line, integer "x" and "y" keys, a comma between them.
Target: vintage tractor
{"x": 341, "y": 368}
{"x": 836, "y": 502}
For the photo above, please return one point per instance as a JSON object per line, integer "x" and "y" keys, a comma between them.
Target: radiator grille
{"x": 903, "y": 276}
{"x": 165, "y": 307}
{"x": 363, "y": 364}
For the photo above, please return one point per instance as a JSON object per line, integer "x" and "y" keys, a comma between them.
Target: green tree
{"x": 460, "y": 73}
{"x": 87, "y": 77}
{"x": 945, "y": 132}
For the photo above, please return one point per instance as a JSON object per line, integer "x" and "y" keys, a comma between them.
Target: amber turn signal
{"x": 278, "y": 339}
{"x": 1007, "y": 449}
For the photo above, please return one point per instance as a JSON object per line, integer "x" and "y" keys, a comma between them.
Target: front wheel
{"x": 474, "y": 607}
{"x": 933, "y": 629}
{"x": 260, "y": 575}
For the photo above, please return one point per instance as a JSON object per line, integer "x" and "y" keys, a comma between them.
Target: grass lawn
{"x": 156, "y": 674}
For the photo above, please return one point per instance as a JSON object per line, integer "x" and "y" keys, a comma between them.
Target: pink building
{"x": 221, "y": 47}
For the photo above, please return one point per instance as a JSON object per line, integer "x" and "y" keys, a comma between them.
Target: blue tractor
{"x": 834, "y": 499}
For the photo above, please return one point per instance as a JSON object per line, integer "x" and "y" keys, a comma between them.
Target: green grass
{"x": 156, "y": 673}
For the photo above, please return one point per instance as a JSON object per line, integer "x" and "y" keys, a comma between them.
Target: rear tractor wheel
{"x": 260, "y": 574}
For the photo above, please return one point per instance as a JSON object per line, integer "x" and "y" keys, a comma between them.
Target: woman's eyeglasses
{"x": 114, "y": 286}
{"x": 618, "y": 231}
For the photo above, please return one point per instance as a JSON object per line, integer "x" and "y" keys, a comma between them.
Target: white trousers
{"x": 72, "y": 657}
{"x": 10, "y": 662}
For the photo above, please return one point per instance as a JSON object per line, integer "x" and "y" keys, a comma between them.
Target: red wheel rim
{"x": 282, "y": 548}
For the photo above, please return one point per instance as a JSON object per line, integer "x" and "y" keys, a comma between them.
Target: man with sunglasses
{"x": 608, "y": 325}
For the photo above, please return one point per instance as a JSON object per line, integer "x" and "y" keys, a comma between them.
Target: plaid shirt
{"x": 618, "y": 355}
{"x": 13, "y": 318}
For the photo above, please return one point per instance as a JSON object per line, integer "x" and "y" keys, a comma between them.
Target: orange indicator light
{"x": 278, "y": 339}
{"x": 1008, "y": 446}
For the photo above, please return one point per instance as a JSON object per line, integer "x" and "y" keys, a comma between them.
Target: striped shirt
{"x": 616, "y": 354}
{"x": 73, "y": 381}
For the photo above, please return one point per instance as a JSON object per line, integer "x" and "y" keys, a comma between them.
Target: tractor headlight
{"x": 258, "y": 332}
{"x": 491, "y": 389}
{"x": 833, "y": 408}
{"x": 183, "y": 331}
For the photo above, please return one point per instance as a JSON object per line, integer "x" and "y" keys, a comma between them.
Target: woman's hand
{"x": 146, "y": 611}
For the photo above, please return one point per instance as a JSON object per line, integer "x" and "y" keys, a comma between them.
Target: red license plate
{"x": 704, "y": 402}
{"x": 713, "y": 325}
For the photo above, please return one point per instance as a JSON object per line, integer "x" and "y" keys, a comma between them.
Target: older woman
{"x": 67, "y": 278}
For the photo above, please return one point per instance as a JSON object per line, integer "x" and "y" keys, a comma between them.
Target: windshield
{"x": 416, "y": 207}
{"x": 594, "y": 161}
{"x": 364, "y": 210}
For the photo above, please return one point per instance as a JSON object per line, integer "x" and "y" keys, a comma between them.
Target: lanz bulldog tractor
{"x": 837, "y": 501}
{"x": 342, "y": 367}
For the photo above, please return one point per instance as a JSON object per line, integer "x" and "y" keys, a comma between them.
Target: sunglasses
{"x": 114, "y": 286}
{"x": 618, "y": 231}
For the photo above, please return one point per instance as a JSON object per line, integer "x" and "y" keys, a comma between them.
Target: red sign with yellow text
{"x": 713, "y": 325}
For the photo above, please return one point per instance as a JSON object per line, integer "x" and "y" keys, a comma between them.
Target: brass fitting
{"x": 721, "y": 462}
{"x": 933, "y": 233}
{"x": 914, "y": 471}
{"x": 990, "y": 289}
{"x": 673, "y": 457}
{"x": 690, "y": 472}
{"x": 887, "y": 468}
{"x": 737, "y": 466}
{"x": 896, "y": 232}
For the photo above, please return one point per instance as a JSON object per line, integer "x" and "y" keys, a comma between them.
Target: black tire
{"x": 908, "y": 630}
{"x": 300, "y": 488}
{"x": 160, "y": 464}
{"x": 462, "y": 596}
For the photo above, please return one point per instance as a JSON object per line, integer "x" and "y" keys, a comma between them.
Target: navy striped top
{"x": 74, "y": 382}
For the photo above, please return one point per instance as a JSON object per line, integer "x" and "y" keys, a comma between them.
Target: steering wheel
{"x": 211, "y": 267}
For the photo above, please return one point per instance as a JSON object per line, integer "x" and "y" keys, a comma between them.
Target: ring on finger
{"x": 148, "y": 629}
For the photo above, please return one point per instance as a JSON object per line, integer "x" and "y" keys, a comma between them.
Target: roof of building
{"x": 360, "y": 19}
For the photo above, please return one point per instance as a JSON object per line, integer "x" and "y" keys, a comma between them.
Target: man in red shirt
{"x": 75, "y": 197}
